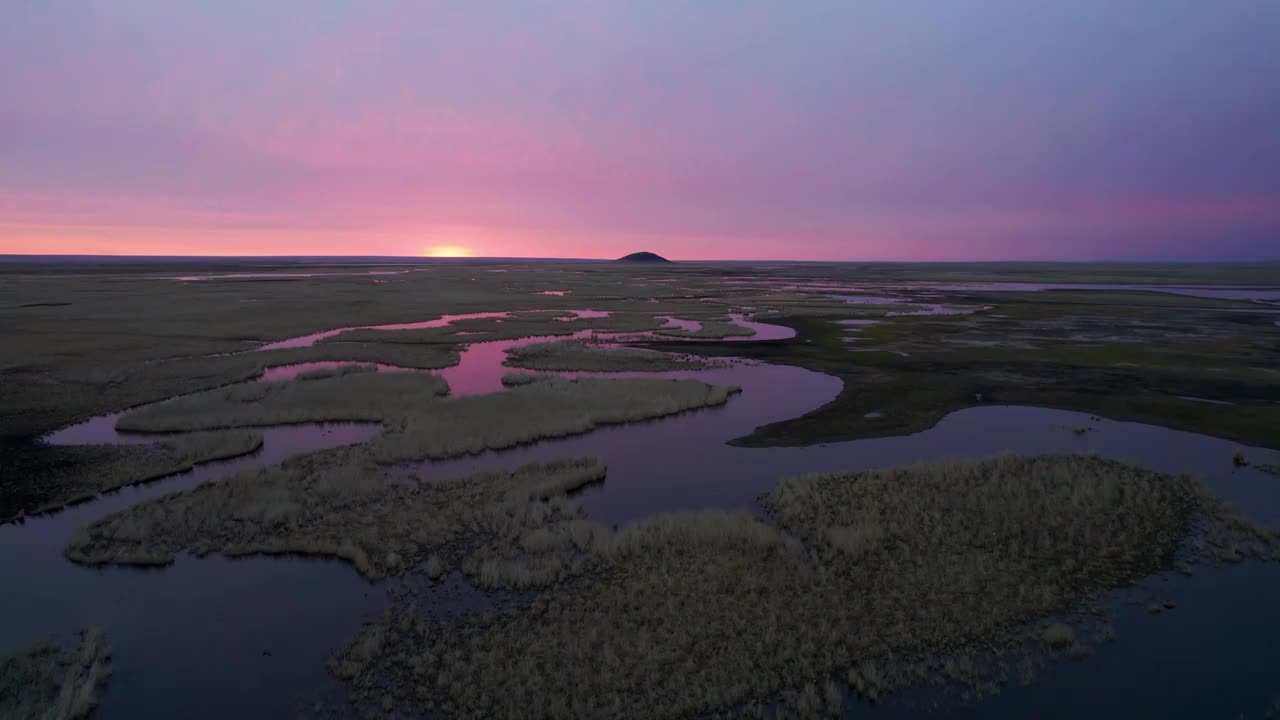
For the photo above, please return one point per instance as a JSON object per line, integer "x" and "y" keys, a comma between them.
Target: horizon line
{"x": 21, "y": 257}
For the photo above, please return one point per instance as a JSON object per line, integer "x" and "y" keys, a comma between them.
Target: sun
{"x": 446, "y": 251}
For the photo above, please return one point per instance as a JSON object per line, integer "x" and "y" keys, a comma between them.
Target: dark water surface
{"x": 216, "y": 637}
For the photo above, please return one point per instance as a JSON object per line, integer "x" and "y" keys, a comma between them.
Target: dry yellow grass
{"x": 46, "y": 682}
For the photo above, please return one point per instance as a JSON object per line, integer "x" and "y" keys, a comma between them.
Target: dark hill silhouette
{"x": 643, "y": 257}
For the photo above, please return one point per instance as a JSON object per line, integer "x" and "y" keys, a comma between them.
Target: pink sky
{"x": 736, "y": 131}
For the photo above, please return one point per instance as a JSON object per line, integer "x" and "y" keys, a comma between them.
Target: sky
{"x": 715, "y": 129}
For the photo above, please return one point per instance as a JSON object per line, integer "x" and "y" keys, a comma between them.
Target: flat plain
{"x": 512, "y": 408}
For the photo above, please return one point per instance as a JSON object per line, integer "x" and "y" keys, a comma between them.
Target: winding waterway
{"x": 215, "y": 637}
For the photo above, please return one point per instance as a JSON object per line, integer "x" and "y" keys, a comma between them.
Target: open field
{"x": 49, "y": 682}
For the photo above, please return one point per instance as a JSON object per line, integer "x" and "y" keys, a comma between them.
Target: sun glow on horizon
{"x": 444, "y": 251}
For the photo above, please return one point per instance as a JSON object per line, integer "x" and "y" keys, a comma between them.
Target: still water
{"x": 215, "y": 637}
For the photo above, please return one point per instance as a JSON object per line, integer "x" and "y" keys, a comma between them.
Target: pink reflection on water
{"x": 481, "y": 367}
{"x": 583, "y": 315}
{"x": 312, "y": 339}
{"x": 479, "y": 370}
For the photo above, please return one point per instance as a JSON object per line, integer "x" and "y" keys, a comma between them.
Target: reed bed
{"x": 421, "y": 425}
{"x": 42, "y": 404}
{"x": 337, "y": 503}
{"x": 370, "y": 397}
{"x": 711, "y": 329}
{"x": 47, "y": 682}
{"x": 938, "y": 575}
{"x": 520, "y": 325}
{"x": 322, "y": 373}
{"x": 516, "y": 379}
{"x": 78, "y": 473}
{"x": 552, "y": 408}
{"x": 568, "y": 355}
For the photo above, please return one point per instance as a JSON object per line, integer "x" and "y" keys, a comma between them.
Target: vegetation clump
{"x": 343, "y": 396}
{"x": 61, "y": 476}
{"x": 49, "y": 682}
{"x": 515, "y": 379}
{"x": 592, "y": 357}
{"x": 512, "y": 529}
{"x": 931, "y": 574}
{"x": 419, "y": 424}
{"x": 711, "y": 329}
{"x": 550, "y": 408}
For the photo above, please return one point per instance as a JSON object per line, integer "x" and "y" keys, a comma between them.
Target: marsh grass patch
{"x": 59, "y": 476}
{"x": 513, "y": 528}
{"x": 358, "y": 396}
{"x": 49, "y": 682}
{"x": 712, "y": 328}
{"x": 581, "y": 355}
{"x": 519, "y": 325}
{"x": 419, "y": 423}
{"x": 935, "y": 575}
{"x": 550, "y": 408}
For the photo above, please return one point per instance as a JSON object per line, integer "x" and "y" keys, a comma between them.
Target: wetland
{"x": 671, "y": 490}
